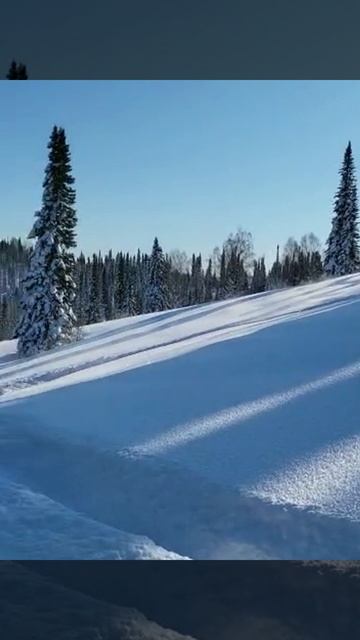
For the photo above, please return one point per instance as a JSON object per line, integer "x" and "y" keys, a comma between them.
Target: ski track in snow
{"x": 43, "y": 370}
{"x": 307, "y": 347}
{"x": 14, "y": 382}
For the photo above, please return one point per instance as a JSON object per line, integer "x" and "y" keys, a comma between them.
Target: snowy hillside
{"x": 224, "y": 430}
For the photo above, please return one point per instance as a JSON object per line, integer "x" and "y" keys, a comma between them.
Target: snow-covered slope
{"x": 200, "y": 417}
{"x": 35, "y": 527}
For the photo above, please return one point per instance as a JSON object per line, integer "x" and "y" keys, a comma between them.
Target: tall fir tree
{"x": 59, "y": 197}
{"x": 48, "y": 318}
{"x": 157, "y": 293}
{"x": 342, "y": 253}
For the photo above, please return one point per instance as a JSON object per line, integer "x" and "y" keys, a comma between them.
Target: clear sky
{"x": 188, "y": 161}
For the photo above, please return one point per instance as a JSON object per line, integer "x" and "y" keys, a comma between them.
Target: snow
{"x": 35, "y": 527}
{"x": 221, "y": 420}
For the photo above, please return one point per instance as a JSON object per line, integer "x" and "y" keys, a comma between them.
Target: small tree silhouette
{"x": 17, "y": 71}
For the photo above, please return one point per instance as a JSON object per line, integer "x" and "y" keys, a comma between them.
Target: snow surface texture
{"x": 34, "y": 526}
{"x": 41, "y": 609}
{"x": 206, "y": 427}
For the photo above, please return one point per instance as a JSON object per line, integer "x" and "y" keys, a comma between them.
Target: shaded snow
{"x": 35, "y": 527}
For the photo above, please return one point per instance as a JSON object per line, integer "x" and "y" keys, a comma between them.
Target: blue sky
{"x": 188, "y": 161}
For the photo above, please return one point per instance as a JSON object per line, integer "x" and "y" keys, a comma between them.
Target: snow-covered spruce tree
{"x": 157, "y": 289}
{"x": 342, "y": 253}
{"x": 47, "y": 318}
{"x": 59, "y": 198}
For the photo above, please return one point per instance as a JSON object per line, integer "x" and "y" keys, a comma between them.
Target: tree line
{"x": 46, "y": 293}
{"x": 117, "y": 285}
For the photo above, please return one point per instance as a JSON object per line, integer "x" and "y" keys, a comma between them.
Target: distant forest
{"x": 114, "y": 285}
